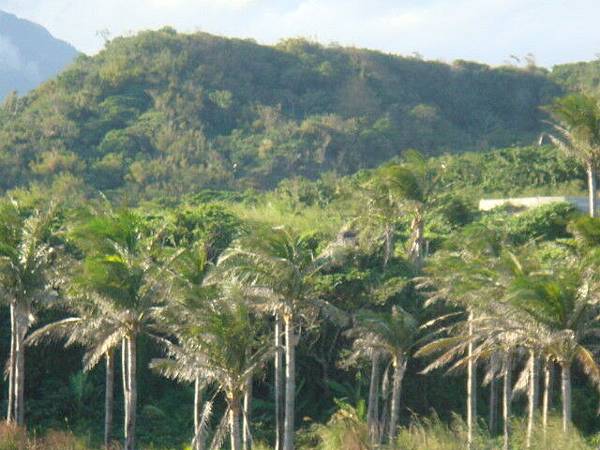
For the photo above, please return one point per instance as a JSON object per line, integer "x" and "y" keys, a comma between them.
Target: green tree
{"x": 128, "y": 271}
{"x": 90, "y": 328}
{"x": 281, "y": 266}
{"x": 408, "y": 187}
{"x": 578, "y": 135}
{"x": 26, "y": 280}
{"x": 218, "y": 341}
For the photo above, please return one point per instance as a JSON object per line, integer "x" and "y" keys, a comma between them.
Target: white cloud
{"x": 484, "y": 30}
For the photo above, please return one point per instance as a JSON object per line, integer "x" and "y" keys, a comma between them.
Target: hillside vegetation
{"x": 163, "y": 113}
{"x": 184, "y": 216}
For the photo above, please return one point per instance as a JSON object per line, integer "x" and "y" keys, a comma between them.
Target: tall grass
{"x": 15, "y": 438}
{"x": 347, "y": 431}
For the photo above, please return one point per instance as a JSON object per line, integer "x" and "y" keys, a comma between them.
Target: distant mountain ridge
{"x": 29, "y": 54}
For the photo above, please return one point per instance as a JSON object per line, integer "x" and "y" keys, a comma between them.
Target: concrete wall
{"x": 580, "y": 203}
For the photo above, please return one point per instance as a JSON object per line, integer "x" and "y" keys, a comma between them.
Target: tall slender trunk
{"x": 10, "y": 413}
{"x": 198, "y": 441}
{"x": 125, "y": 378}
{"x": 399, "y": 369}
{"x": 290, "y": 383}
{"x": 471, "y": 386}
{"x": 493, "y": 418}
{"x": 385, "y": 407}
{"x": 19, "y": 387}
{"x": 506, "y": 399}
{"x": 247, "y": 417}
{"x": 109, "y": 397}
{"x": 565, "y": 376}
{"x": 130, "y": 420}
{"x": 373, "y": 409}
{"x": 547, "y": 394}
{"x": 532, "y": 395}
{"x": 234, "y": 424}
{"x": 591, "y": 175}
{"x": 417, "y": 250}
{"x": 388, "y": 243}
{"x": 278, "y": 383}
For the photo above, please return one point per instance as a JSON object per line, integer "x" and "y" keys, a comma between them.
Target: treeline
{"x": 337, "y": 278}
{"x": 165, "y": 114}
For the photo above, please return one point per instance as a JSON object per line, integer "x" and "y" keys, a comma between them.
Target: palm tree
{"x": 91, "y": 329}
{"x": 280, "y": 265}
{"x": 26, "y": 258}
{"x": 563, "y": 302}
{"x": 395, "y": 335}
{"x": 463, "y": 274}
{"x": 220, "y": 343}
{"x": 364, "y": 346}
{"x": 399, "y": 188}
{"x": 578, "y": 135}
{"x": 128, "y": 274}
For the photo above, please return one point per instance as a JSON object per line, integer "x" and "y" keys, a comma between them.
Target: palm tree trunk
{"x": 290, "y": 383}
{"x": 278, "y": 383}
{"x": 546, "y": 396}
{"x": 506, "y": 399}
{"x": 417, "y": 250}
{"x": 566, "y": 395}
{"x": 21, "y": 329}
{"x": 471, "y": 386}
{"x": 124, "y": 373}
{"x": 109, "y": 397}
{"x": 234, "y": 424}
{"x": 10, "y": 413}
{"x": 198, "y": 441}
{"x": 591, "y": 175}
{"x": 373, "y": 409}
{"x": 385, "y": 407}
{"x": 130, "y": 419}
{"x": 399, "y": 368}
{"x": 388, "y": 244}
{"x": 493, "y": 418}
{"x": 532, "y": 395}
{"x": 246, "y": 432}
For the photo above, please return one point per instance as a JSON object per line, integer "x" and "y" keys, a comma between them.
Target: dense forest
{"x": 208, "y": 243}
{"x": 164, "y": 114}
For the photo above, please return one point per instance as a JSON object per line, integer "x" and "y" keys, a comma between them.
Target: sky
{"x": 489, "y": 31}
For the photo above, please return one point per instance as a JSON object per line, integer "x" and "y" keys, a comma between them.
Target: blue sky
{"x": 555, "y": 31}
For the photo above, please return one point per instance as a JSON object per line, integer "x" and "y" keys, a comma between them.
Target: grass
{"x": 349, "y": 432}
{"x": 15, "y": 438}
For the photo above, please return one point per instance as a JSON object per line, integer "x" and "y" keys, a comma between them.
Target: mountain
{"x": 29, "y": 54}
{"x": 163, "y": 113}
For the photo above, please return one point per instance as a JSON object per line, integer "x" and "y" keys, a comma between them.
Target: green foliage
{"x": 547, "y": 222}
{"x": 167, "y": 114}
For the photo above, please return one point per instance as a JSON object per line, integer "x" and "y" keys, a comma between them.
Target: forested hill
{"x": 29, "y": 55}
{"x": 167, "y": 113}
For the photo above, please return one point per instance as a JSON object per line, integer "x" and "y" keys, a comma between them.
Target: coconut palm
{"x": 281, "y": 267}
{"x": 364, "y": 346}
{"x": 464, "y": 275}
{"x": 564, "y": 303}
{"x": 26, "y": 259}
{"x": 218, "y": 342}
{"x": 404, "y": 188}
{"x": 89, "y": 328}
{"x": 391, "y": 336}
{"x": 578, "y": 135}
{"x": 128, "y": 274}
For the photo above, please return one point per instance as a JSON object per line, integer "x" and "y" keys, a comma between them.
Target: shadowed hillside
{"x": 174, "y": 113}
{"x": 29, "y": 55}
